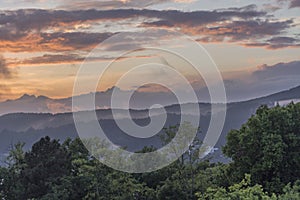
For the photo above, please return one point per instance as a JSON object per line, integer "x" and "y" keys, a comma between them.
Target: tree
{"x": 186, "y": 137}
{"x": 16, "y": 156}
{"x": 46, "y": 164}
{"x": 175, "y": 187}
{"x": 123, "y": 186}
{"x": 291, "y": 192}
{"x": 10, "y": 186}
{"x": 267, "y": 147}
{"x": 240, "y": 191}
{"x": 210, "y": 175}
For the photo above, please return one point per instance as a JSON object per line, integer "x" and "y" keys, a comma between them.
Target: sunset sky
{"x": 255, "y": 44}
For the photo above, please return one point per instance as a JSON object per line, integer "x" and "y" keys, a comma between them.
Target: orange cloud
{"x": 53, "y": 42}
{"x": 47, "y": 30}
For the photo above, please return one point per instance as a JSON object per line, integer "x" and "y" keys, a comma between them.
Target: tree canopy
{"x": 267, "y": 147}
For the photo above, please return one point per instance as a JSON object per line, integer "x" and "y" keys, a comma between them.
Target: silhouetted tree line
{"x": 265, "y": 155}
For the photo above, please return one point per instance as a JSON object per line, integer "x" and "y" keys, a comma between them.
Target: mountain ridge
{"x": 44, "y": 104}
{"x": 29, "y": 127}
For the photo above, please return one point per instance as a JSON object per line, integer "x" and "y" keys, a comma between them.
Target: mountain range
{"x": 42, "y": 104}
{"x": 26, "y": 126}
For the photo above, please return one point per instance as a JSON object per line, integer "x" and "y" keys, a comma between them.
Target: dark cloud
{"x": 54, "y": 42}
{"x": 295, "y": 3}
{"x": 267, "y": 79}
{"x": 44, "y": 30}
{"x": 292, "y": 3}
{"x": 71, "y": 58}
{"x": 108, "y": 4}
{"x": 4, "y": 70}
{"x": 277, "y": 43}
{"x": 34, "y": 19}
{"x": 250, "y": 7}
{"x": 236, "y": 24}
{"x": 278, "y": 70}
{"x": 76, "y": 40}
{"x": 282, "y": 40}
{"x": 160, "y": 23}
{"x": 272, "y": 46}
{"x": 52, "y": 59}
{"x": 197, "y": 18}
{"x": 246, "y": 30}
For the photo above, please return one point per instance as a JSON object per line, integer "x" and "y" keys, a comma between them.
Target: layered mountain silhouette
{"x": 30, "y": 127}
{"x": 41, "y": 104}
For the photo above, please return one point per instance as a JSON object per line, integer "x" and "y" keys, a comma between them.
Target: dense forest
{"x": 265, "y": 154}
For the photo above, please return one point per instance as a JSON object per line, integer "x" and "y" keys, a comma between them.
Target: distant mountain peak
{"x": 110, "y": 90}
{"x": 27, "y": 96}
{"x": 43, "y": 97}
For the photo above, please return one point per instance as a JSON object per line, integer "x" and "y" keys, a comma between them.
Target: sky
{"x": 43, "y": 44}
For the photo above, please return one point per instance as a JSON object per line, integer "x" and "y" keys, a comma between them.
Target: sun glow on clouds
{"x": 43, "y": 48}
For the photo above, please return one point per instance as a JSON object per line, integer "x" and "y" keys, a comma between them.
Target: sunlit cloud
{"x": 66, "y": 32}
{"x": 59, "y": 30}
{"x": 53, "y": 42}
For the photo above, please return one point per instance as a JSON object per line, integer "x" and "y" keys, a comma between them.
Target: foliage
{"x": 267, "y": 147}
{"x": 239, "y": 191}
{"x": 291, "y": 192}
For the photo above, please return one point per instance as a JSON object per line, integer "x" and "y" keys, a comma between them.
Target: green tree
{"x": 185, "y": 134}
{"x": 210, "y": 175}
{"x": 16, "y": 157}
{"x": 240, "y": 191}
{"x": 10, "y": 185}
{"x": 174, "y": 188}
{"x": 267, "y": 147}
{"x": 291, "y": 192}
{"x": 46, "y": 163}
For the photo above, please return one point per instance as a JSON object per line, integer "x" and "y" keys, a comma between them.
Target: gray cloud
{"x": 35, "y": 19}
{"x": 4, "y": 70}
{"x": 108, "y": 4}
{"x": 277, "y": 43}
{"x": 66, "y": 58}
{"x": 197, "y": 18}
{"x": 76, "y": 40}
{"x": 279, "y": 70}
{"x": 272, "y": 46}
{"x": 53, "y": 42}
{"x": 292, "y": 3}
{"x": 52, "y": 59}
{"x": 46, "y": 27}
{"x": 295, "y": 3}
{"x": 250, "y": 29}
{"x": 282, "y": 40}
{"x": 267, "y": 79}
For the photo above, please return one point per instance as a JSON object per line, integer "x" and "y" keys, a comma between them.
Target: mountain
{"x": 41, "y": 104}
{"x": 291, "y": 94}
{"x": 26, "y": 103}
{"x": 30, "y": 127}
{"x": 139, "y": 100}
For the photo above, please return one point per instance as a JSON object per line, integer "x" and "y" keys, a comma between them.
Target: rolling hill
{"x": 30, "y": 127}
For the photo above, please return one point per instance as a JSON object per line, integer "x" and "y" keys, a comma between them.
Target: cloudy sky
{"x": 255, "y": 44}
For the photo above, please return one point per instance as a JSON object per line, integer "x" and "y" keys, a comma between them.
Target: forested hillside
{"x": 265, "y": 155}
